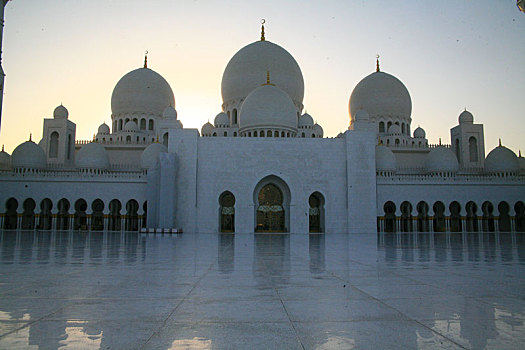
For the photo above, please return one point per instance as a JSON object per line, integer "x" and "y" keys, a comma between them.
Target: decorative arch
{"x": 472, "y": 217}
{"x": 504, "y": 217}
{"x": 227, "y": 212}
{"x": 406, "y": 217}
{"x": 45, "y": 222}
{"x": 455, "y": 217}
{"x": 28, "y": 216}
{"x": 132, "y": 217}
{"x": 114, "y": 215}
{"x": 488, "y": 218}
{"x": 53, "y": 145}
{"x": 473, "y": 149}
{"x": 97, "y": 218}
{"x": 316, "y": 213}
{"x": 422, "y": 216}
{"x": 390, "y": 216}
{"x": 63, "y": 214}
{"x": 80, "y": 218}
{"x": 381, "y": 126}
{"x": 519, "y": 209}
{"x": 271, "y": 198}
{"x": 11, "y": 215}
{"x": 439, "y": 217}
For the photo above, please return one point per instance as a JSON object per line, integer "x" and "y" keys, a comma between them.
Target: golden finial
{"x": 262, "y": 29}
{"x": 518, "y": 156}
{"x": 500, "y": 142}
{"x": 157, "y": 138}
{"x": 94, "y": 138}
{"x": 3, "y": 150}
{"x": 379, "y": 142}
{"x": 146, "y": 59}
{"x": 30, "y": 136}
{"x": 268, "y": 79}
{"x": 440, "y": 141}
{"x": 377, "y": 63}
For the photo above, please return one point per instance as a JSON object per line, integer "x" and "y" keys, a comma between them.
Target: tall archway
{"x": 97, "y": 218}
{"x": 80, "y": 218}
{"x": 455, "y": 217}
{"x": 390, "y": 216}
{"x": 63, "y": 214}
{"x": 519, "y": 209}
{"x": 145, "y": 215}
{"x": 488, "y": 218}
{"x": 45, "y": 222}
{"x": 422, "y": 216}
{"x": 272, "y": 205}
{"x": 439, "y": 217}
{"x": 316, "y": 213}
{"x": 28, "y": 217}
{"x": 114, "y": 215}
{"x": 11, "y": 215}
{"x": 473, "y": 149}
{"x": 472, "y": 217}
{"x": 504, "y": 217}
{"x": 227, "y": 212}
{"x": 132, "y": 217}
{"x": 53, "y": 145}
{"x": 406, "y": 217}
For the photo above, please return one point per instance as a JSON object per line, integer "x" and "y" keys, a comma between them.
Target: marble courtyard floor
{"x": 75, "y": 290}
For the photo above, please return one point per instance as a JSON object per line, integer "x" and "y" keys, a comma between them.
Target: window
{"x": 150, "y": 126}
{"x": 143, "y": 124}
{"x": 53, "y": 145}
{"x": 473, "y": 149}
{"x": 381, "y": 126}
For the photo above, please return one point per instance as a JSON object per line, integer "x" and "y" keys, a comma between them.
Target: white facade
{"x": 262, "y": 165}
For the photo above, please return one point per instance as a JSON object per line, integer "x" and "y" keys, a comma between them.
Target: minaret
{"x": 2, "y": 74}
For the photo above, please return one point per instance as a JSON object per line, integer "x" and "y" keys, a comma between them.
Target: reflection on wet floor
{"x": 126, "y": 290}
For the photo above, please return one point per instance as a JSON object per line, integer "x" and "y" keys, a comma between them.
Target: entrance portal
{"x": 227, "y": 212}
{"x": 270, "y": 212}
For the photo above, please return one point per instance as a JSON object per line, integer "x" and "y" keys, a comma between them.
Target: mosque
{"x": 263, "y": 165}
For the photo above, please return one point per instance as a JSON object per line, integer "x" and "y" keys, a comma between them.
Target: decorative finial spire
{"x": 268, "y": 79}
{"x": 30, "y": 136}
{"x": 157, "y": 138}
{"x": 440, "y": 141}
{"x": 262, "y": 29}
{"x": 146, "y": 59}
{"x": 500, "y": 142}
{"x": 3, "y": 150}
{"x": 377, "y": 63}
{"x": 518, "y": 156}
{"x": 94, "y": 138}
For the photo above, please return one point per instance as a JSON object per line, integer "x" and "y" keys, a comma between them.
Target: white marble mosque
{"x": 264, "y": 165}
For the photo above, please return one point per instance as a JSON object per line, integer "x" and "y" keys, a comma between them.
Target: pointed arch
{"x": 271, "y": 198}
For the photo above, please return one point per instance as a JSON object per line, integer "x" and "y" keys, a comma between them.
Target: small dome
{"x": 394, "y": 129}
{"x": 103, "y": 129}
{"x": 221, "y": 120}
{"x": 306, "y": 121}
{"x": 169, "y": 113}
{"x": 501, "y": 160}
{"x": 466, "y": 117}
{"x": 419, "y": 133}
{"x": 248, "y": 67}
{"x": 150, "y": 156}
{"x": 92, "y": 156}
{"x": 385, "y": 159}
{"x": 268, "y": 106}
{"x": 60, "y": 112}
{"x": 141, "y": 91}
{"x": 318, "y": 130}
{"x": 5, "y": 160}
{"x": 381, "y": 95}
{"x": 131, "y": 126}
{"x": 29, "y": 155}
{"x": 441, "y": 159}
{"x": 361, "y": 115}
{"x": 207, "y": 129}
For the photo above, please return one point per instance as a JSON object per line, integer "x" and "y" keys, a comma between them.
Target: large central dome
{"x": 247, "y": 70}
{"x": 141, "y": 91}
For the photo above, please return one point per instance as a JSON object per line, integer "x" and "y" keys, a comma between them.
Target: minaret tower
{"x": 2, "y": 74}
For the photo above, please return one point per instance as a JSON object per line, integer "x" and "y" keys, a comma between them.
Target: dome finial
{"x": 440, "y": 141}
{"x": 377, "y": 63}
{"x": 30, "y": 136}
{"x": 3, "y": 150}
{"x": 262, "y": 29}
{"x": 500, "y": 142}
{"x": 146, "y": 59}
{"x": 518, "y": 156}
{"x": 268, "y": 79}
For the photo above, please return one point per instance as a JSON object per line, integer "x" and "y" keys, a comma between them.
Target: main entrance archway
{"x": 272, "y": 205}
{"x": 227, "y": 212}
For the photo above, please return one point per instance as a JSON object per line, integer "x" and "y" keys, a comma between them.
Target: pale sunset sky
{"x": 450, "y": 54}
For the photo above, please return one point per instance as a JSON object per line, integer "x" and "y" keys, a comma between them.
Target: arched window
{"x": 439, "y": 217}
{"x": 488, "y": 218}
{"x": 282, "y": 134}
{"x": 422, "y": 217}
{"x": 115, "y": 125}
{"x": 136, "y": 121}
{"x": 381, "y": 126}
{"x": 403, "y": 128}
{"x": 397, "y": 142}
{"x": 234, "y": 116}
{"x": 114, "y": 215}
{"x": 276, "y": 134}
{"x": 225, "y": 133}
{"x": 472, "y": 217}
{"x": 53, "y": 145}
{"x": 313, "y": 135}
{"x": 69, "y": 147}
{"x": 28, "y": 216}
{"x": 261, "y": 133}
{"x": 473, "y": 149}
{"x": 268, "y": 133}
{"x": 128, "y": 139}
{"x": 455, "y": 217}
{"x": 227, "y": 212}
{"x": 127, "y": 120}
{"x": 235, "y": 134}
{"x": 143, "y": 124}
{"x": 458, "y": 151}
{"x": 388, "y": 125}
{"x": 504, "y": 218}
{"x": 214, "y": 134}
{"x": 150, "y": 124}
{"x": 63, "y": 214}
{"x": 120, "y": 124}
{"x": 303, "y": 135}
{"x": 165, "y": 139}
{"x": 316, "y": 212}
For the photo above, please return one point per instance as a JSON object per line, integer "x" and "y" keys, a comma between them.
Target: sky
{"x": 450, "y": 54}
